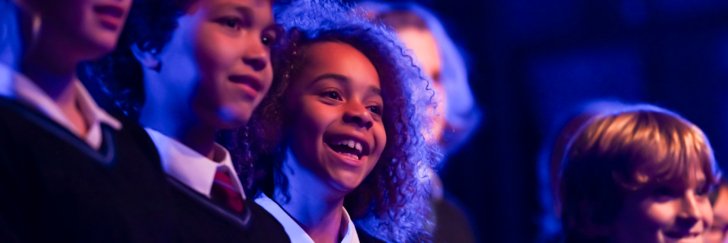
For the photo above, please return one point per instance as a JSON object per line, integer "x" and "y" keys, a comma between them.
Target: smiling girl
{"x": 641, "y": 174}
{"x": 337, "y": 142}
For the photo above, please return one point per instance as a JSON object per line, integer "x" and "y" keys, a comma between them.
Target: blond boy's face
{"x": 666, "y": 212}
{"x": 717, "y": 232}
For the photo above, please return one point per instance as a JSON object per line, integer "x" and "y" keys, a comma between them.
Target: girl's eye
{"x": 375, "y": 109}
{"x": 332, "y": 95}
{"x": 270, "y": 36}
{"x": 268, "y": 39}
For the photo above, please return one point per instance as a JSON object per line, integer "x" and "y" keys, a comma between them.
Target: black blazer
{"x": 365, "y": 237}
{"x": 56, "y": 188}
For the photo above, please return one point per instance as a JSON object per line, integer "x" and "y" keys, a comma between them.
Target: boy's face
{"x": 84, "y": 29}
{"x": 216, "y": 67}
{"x": 666, "y": 212}
{"x": 717, "y": 231}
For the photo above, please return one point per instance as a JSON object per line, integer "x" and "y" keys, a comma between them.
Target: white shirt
{"x": 19, "y": 87}
{"x": 293, "y": 230}
{"x": 190, "y": 167}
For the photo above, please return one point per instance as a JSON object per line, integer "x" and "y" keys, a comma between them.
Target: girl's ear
{"x": 148, "y": 59}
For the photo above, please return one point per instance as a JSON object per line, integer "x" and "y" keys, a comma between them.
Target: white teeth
{"x": 352, "y": 156}
{"x": 351, "y": 144}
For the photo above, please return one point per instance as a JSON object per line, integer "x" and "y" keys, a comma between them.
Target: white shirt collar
{"x": 190, "y": 167}
{"x": 19, "y": 87}
{"x": 293, "y": 230}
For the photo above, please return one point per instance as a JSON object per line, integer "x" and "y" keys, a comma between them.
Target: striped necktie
{"x": 224, "y": 191}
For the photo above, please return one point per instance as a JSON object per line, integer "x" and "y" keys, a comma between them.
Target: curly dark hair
{"x": 392, "y": 203}
{"x": 149, "y": 27}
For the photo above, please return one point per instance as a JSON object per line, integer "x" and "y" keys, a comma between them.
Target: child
{"x": 70, "y": 171}
{"x": 423, "y": 34}
{"x": 641, "y": 174}
{"x": 205, "y": 66}
{"x": 338, "y": 140}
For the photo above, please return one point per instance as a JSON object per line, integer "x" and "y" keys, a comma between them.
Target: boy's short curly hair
{"x": 392, "y": 203}
{"x": 622, "y": 152}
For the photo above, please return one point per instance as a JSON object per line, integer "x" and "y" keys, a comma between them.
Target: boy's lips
{"x": 680, "y": 235}
{"x": 111, "y": 16}
{"x": 249, "y": 84}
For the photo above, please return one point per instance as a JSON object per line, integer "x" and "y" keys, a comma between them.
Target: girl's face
{"x": 336, "y": 107}
{"x": 217, "y": 62}
{"x": 84, "y": 29}
{"x": 424, "y": 48}
{"x": 666, "y": 212}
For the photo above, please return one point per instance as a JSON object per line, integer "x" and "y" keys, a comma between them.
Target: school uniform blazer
{"x": 55, "y": 188}
{"x": 365, "y": 237}
{"x": 204, "y": 221}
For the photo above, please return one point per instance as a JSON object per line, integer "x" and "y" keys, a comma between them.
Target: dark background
{"x": 533, "y": 61}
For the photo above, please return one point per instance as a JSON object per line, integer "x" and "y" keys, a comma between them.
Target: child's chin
{"x": 230, "y": 118}
{"x": 697, "y": 239}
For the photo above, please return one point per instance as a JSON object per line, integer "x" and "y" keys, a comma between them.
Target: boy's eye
{"x": 332, "y": 95}
{"x": 231, "y": 22}
{"x": 703, "y": 190}
{"x": 663, "y": 194}
{"x": 375, "y": 109}
{"x": 436, "y": 76}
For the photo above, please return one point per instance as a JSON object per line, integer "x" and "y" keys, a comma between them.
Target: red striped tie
{"x": 225, "y": 193}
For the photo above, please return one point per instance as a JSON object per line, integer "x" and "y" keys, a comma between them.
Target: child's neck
{"x": 193, "y": 134}
{"x": 314, "y": 205}
{"x": 168, "y": 113}
{"x": 56, "y": 75}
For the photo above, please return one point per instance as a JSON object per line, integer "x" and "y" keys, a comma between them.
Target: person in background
{"x": 456, "y": 115}
{"x": 640, "y": 174}
{"x": 337, "y": 144}
{"x": 552, "y": 155}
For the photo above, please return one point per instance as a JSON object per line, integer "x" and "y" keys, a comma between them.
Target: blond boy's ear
{"x": 590, "y": 221}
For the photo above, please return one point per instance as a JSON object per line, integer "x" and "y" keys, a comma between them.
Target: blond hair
{"x": 617, "y": 153}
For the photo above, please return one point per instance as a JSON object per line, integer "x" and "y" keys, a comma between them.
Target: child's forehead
{"x": 685, "y": 179}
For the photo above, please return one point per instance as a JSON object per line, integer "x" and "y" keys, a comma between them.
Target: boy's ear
{"x": 592, "y": 220}
{"x": 147, "y": 58}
